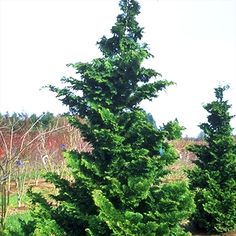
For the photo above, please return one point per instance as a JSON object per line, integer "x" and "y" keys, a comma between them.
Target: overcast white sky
{"x": 193, "y": 41}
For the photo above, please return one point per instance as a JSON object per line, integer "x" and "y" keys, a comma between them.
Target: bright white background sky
{"x": 193, "y": 41}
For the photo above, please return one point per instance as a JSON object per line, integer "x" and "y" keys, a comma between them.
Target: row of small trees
{"x": 118, "y": 188}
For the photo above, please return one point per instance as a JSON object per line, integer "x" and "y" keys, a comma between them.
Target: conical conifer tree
{"x": 214, "y": 177}
{"x": 117, "y": 189}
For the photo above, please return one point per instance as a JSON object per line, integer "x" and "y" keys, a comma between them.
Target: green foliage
{"x": 13, "y": 226}
{"x": 25, "y": 121}
{"x": 151, "y": 120}
{"x": 173, "y": 129}
{"x": 214, "y": 177}
{"x": 117, "y": 189}
{"x": 41, "y": 221}
{"x": 44, "y": 121}
{"x": 13, "y": 200}
{"x": 158, "y": 219}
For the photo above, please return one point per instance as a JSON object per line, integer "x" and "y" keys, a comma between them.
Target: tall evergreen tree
{"x": 117, "y": 189}
{"x": 214, "y": 177}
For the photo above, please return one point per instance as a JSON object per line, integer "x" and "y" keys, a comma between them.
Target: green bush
{"x": 213, "y": 179}
{"x": 13, "y": 225}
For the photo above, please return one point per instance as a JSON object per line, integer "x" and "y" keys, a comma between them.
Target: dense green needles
{"x": 117, "y": 189}
{"x": 214, "y": 178}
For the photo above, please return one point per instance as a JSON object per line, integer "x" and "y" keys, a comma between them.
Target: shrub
{"x": 213, "y": 179}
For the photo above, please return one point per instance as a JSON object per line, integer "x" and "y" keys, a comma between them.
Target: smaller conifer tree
{"x": 213, "y": 179}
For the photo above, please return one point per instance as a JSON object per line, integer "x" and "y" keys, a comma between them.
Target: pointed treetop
{"x": 117, "y": 80}
{"x": 126, "y": 31}
{"x": 219, "y": 117}
{"x": 131, "y": 6}
{"x": 219, "y": 92}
